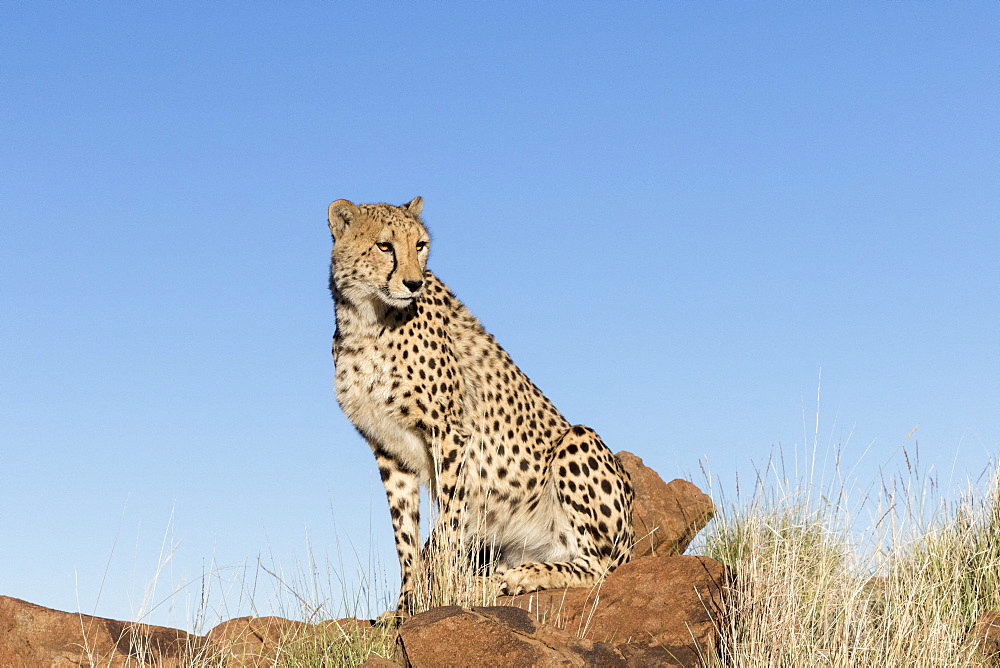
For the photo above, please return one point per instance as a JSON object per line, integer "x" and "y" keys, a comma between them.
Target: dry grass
{"x": 827, "y": 575}
{"x": 445, "y": 577}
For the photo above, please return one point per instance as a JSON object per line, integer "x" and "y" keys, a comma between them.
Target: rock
{"x": 659, "y": 609}
{"x": 653, "y": 611}
{"x": 666, "y": 516}
{"x": 664, "y": 609}
{"x": 248, "y": 642}
{"x": 497, "y": 637}
{"x": 31, "y": 636}
{"x": 986, "y": 636}
{"x": 376, "y": 661}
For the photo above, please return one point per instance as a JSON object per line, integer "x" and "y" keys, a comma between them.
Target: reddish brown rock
{"x": 665, "y": 609}
{"x": 666, "y": 516}
{"x": 31, "y": 636}
{"x": 376, "y": 661}
{"x": 248, "y": 642}
{"x": 653, "y": 611}
{"x": 986, "y": 636}
{"x": 498, "y": 637}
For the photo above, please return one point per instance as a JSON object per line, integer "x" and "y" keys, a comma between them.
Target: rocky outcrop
{"x": 495, "y": 636}
{"x": 31, "y": 636}
{"x": 673, "y": 603}
{"x": 666, "y": 516}
{"x": 986, "y": 637}
{"x": 35, "y": 637}
{"x": 248, "y": 642}
{"x": 660, "y": 609}
{"x": 654, "y": 611}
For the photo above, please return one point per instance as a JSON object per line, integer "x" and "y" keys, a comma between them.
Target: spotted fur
{"x": 442, "y": 404}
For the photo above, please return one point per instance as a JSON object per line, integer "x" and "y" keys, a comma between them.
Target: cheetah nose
{"x": 413, "y": 286}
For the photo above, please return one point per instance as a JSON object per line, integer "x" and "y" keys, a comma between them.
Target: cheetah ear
{"x": 341, "y": 214}
{"x": 415, "y": 205}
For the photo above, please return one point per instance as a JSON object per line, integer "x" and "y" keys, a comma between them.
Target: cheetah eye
{"x": 385, "y": 247}
{"x": 421, "y": 245}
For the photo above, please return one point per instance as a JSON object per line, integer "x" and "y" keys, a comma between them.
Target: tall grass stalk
{"x": 827, "y": 574}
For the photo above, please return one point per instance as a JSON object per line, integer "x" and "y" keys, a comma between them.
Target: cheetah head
{"x": 379, "y": 252}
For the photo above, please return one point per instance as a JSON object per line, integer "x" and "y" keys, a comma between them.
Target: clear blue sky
{"x": 673, "y": 215}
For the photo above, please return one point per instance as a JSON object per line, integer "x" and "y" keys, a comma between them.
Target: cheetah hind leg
{"x": 594, "y": 492}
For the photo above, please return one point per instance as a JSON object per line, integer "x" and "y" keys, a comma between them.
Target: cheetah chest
{"x": 396, "y": 393}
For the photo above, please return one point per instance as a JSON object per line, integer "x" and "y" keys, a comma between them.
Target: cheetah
{"x": 442, "y": 405}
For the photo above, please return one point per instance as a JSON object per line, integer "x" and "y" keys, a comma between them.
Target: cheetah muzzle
{"x": 442, "y": 405}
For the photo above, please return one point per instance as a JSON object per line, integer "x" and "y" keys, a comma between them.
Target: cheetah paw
{"x": 520, "y": 580}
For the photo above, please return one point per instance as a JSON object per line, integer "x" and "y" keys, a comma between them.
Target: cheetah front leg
{"x": 593, "y": 491}
{"x": 402, "y": 488}
{"x": 448, "y": 491}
